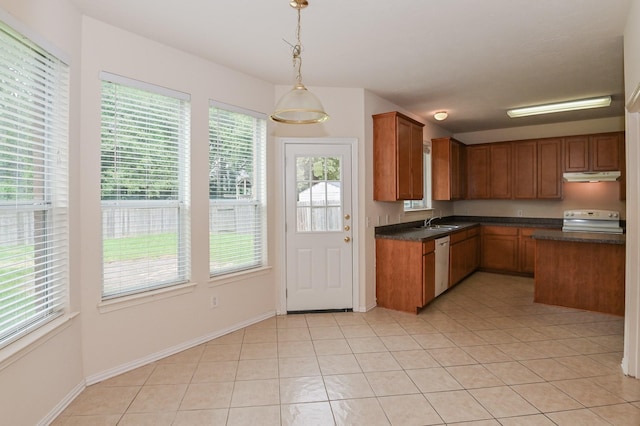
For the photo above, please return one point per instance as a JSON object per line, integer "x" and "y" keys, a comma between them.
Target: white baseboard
{"x": 112, "y": 372}
{"x": 59, "y": 408}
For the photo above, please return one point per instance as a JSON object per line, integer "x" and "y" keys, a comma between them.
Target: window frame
{"x": 258, "y": 196}
{"x": 143, "y": 207}
{"x": 37, "y": 78}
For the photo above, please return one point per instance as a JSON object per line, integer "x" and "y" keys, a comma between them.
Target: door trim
{"x": 281, "y": 309}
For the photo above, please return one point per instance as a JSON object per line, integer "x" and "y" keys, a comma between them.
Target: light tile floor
{"x": 482, "y": 354}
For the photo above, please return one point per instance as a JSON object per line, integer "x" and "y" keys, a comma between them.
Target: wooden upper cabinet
{"x": 525, "y": 169}
{"x": 447, "y": 172}
{"x": 549, "y": 185}
{"x": 500, "y": 170}
{"x": 576, "y": 154}
{"x": 605, "y": 152}
{"x": 397, "y": 158}
{"x": 489, "y": 171}
{"x": 478, "y": 164}
{"x": 592, "y": 153}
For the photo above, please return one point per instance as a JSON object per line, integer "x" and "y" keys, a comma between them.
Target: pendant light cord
{"x": 297, "y": 51}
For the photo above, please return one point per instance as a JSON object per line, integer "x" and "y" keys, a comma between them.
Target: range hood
{"x": 591, "y": 176}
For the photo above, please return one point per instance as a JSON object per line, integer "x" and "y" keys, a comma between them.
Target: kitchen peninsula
{"x": 580, "y": 270}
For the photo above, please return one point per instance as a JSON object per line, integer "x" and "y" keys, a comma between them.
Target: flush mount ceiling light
{"x": 600, "y": 102}
{"x": 299, "y": 105}
{"x": 440, "y": 115}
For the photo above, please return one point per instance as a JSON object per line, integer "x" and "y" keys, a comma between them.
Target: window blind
{"x": 236, "y": 189}
{"x": 34, "y": 105}
{"x": 144, "y": 187}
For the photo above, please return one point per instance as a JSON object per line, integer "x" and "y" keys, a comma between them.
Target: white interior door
{"x": 319, "y": 248}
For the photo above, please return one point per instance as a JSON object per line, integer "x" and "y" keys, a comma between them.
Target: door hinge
{"x": 286, "y": 293}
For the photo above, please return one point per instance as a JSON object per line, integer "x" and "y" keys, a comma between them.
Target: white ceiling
{"x": 473, "y": 58}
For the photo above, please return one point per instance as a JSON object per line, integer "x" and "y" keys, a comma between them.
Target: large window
{"x": 34, "y": 96}
{"x": 236, "y": 189}
{"x": 144, "y": 186}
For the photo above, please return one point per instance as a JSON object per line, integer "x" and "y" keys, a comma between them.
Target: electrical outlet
{"x": 214, "y": 301}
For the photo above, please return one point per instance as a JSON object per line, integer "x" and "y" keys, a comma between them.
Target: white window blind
{"x": 34, "y": 104}
{"x": 236, "y": 189}
{"x": 144, "y": 186}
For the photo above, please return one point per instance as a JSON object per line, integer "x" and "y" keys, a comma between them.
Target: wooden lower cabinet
{"x": 405, "y": 274}
{"x": 580, "y": 275}
{"x": 500, "y": 249}
{"x": 508, "y": 249}
{"x": 464, "y": 254}
{"x": 527, "y": 247}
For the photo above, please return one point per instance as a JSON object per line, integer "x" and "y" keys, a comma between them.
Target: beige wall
{"x": 40, "y": 372}
{"x": 631, "y": 362}
{"x": 117, "y": 338}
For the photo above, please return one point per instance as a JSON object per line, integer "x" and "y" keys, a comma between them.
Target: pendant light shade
{"x": 299, "y": 105}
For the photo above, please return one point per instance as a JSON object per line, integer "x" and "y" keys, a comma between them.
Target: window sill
{"x": 16, "y": 350}
{"x": 423, "y": 209}
{"x": 125, "y": 302}
{"x": 238, "y": 276}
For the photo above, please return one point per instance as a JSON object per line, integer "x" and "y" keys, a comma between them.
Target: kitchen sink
{"x": 440, "y": 227}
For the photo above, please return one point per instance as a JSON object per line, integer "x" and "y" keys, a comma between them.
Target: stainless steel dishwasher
{"x": 442, "y": 264}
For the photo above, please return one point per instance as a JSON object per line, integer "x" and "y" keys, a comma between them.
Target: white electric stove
{"x": 603, "y": 221}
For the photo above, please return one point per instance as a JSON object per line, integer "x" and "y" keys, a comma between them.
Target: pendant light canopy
{"x": 299, "y": 105}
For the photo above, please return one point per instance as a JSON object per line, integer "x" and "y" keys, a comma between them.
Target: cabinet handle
{"x": 347, "y": 239}
{"x": 347, "y": 216}
{"x": 347, "y": 227}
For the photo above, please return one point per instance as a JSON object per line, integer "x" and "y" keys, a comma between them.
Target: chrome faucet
{"x": 427, "y": 222}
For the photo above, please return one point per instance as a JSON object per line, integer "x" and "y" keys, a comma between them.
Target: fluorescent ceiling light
{"x": 603, "y": 101}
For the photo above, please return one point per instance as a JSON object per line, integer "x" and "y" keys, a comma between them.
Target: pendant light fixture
{"x": 299, "y": 105}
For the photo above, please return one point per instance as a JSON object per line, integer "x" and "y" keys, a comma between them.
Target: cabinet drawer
{"x": 500, "y": 230}
{"x": 473, "y": 232}
{"x": 456, "y": 237}
{"x": 428, "y": 246}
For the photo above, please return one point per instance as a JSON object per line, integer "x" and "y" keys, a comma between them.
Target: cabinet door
{"x": 550, "y": 169}
{"x": 605, "y": 152}
{"x": 410, "y": 175}
{"x": 441, "y": 169}
{"x": 478, "y": 157}
{"x": 525, "y": 169}
{"x": 399, "y": 274}
{"x": 456, "y": 262}
{"x": 473, "y": 252}
{"x": 404, "y": 153}
{"x": 576, "y": 154}
{"x": 527, "y": 250}
{"x": 457, "y": 170}
{"x": 428, "y": 277}
{"x": 417, "y": 168}
{"x": 500, "y": 170}
{"x": 500, "y": 248}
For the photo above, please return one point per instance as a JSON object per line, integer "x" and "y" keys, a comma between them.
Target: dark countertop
{"x": 409, "y": 231}
{"x": 580, "y": 237}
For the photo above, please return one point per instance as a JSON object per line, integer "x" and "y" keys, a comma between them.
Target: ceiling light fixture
{"x": 600, "y": 102}
{"x": 299, "y": 105}
{"x": 440, "y": 115}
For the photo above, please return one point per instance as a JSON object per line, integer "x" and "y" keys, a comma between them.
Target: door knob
{"x": 347, "y": 227}
{"x": 347, "y": 239}
{"x": 347, "y": 217}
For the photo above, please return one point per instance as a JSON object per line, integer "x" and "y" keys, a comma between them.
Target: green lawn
{"x": 223, "y": 250}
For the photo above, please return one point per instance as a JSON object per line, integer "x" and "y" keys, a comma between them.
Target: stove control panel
{"x": 592, "y": 214}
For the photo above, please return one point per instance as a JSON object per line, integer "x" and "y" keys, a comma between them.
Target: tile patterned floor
{"x": 481, "y": 354}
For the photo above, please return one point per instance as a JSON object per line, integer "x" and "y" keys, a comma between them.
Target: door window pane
{"x": 319, "y": 198}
